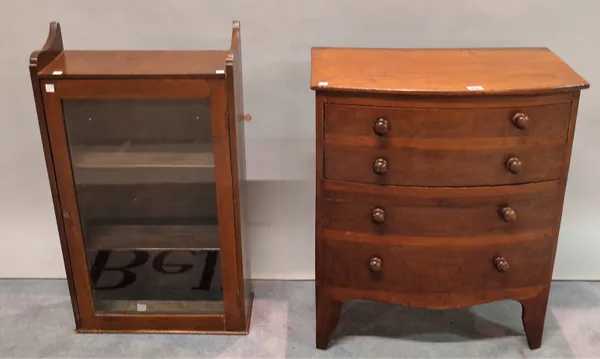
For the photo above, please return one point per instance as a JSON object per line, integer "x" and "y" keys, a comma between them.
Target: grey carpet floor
{"x": 36, "y": 322}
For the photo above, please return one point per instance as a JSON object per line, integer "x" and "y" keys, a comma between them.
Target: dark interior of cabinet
{"x": 145, "y": 181}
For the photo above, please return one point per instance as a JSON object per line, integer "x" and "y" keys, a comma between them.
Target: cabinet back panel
{"x": 148, "y": 201}
{"x": 101, "y": 121}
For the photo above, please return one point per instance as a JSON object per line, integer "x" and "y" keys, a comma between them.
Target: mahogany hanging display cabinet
{"x": 145, "y": 156}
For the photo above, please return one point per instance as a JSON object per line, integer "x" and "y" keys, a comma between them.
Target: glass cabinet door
{"x": 145, "y": 183}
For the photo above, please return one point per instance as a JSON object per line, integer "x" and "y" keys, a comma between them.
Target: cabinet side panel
{"x": 43, "y": 126}
{"x": 226, "y": 207}
{"x": 565, "y": 173}
{"x": 235, "y": 105}
{"x": 320, "y": 110}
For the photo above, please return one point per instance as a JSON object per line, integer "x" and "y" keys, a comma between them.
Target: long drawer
{"x": 438, "y": 212}
{"x": 433, "y": 269}
{"x": 440, "y": 164}
{"x": 385, "y": 123}
{"x": 444, "y": 147}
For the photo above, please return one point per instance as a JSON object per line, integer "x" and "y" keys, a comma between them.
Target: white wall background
{"x": 277, "y": 36}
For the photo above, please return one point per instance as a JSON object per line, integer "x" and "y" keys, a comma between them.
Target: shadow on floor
{"x": 423, "y": 325}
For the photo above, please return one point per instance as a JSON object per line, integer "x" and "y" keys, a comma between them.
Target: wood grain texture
{"x": 434, "y": 300}
{"x": 69, "y": 207}
{"x": 157, "y": 323}
{"x": 471, "y": 102}
{"x": 566, "y": 164}
{"x": 136, "y": 88}
{"x": 328, "y": 316}
{"x": 235, "y": 111}
{"x": 467, "y": 204}
{"x": 327, "y": 311}
{"x": 121, "y": 64}
{"x": 37, "y": 61}
{"x": 224, "y": 201}
{"x": 534, "y": 316}
{"x": 441, "y": 269}
{"x": 226, "y": 208}
{"x": 51, "y": 50}
{"x": 431, "y": 241}
{"x": 534, "y": 309}
{"x": 442, "y": 71}
{"x": 549, "y": 121}
{"x": 145, "y": 75}
{"x": 452, "y": 162}
{"x": 432, "y": 195}
{"x": 443, "y": 212}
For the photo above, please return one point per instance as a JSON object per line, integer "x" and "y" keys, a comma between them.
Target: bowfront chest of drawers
{"x": 440, "y": 177}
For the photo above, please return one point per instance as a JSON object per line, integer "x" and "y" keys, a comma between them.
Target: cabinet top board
{"x": 442, "y": 71}
{"x": 97, "y": 64}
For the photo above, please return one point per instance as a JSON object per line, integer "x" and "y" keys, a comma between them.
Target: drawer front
{"x": 445, "y": 163}
{"x": 445, "y": 147}
{"x": 431, "y": 269}
{"x": 358, "y": 121}
{"x": 436, "y": 212}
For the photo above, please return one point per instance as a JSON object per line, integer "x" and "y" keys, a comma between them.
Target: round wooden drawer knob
{"x": 380, "y": 166}
{"x": 378, "y": 215}
{"x": 501, "y": 264}
{"x": 375, "y": 264}
{"x": 521, "y": 120}
{"x": 508, "y": 214}
{"x": 514, "y": 165}
{"x": 381, "y": 127}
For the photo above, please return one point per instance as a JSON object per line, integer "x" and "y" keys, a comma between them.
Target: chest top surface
{"x": 442, "y": 71}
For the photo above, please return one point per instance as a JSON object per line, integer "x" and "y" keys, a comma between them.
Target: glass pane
{"x": 145, "y": 183}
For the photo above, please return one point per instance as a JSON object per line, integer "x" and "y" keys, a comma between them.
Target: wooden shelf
{"x": 147, "y": 163}
{"x": 160, "y": 306}
{"x": 192, "y": 285}
{"x": 124, "y": 237}
{"x": 195, "y": 155}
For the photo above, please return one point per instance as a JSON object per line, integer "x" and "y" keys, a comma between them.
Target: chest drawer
{"x": 452, "y": 163}
{"x": 444, "y": 147}
{"x": 431, "y": 269}
{"x": 385, "y": 123}
{"x": 437, "y": 212}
